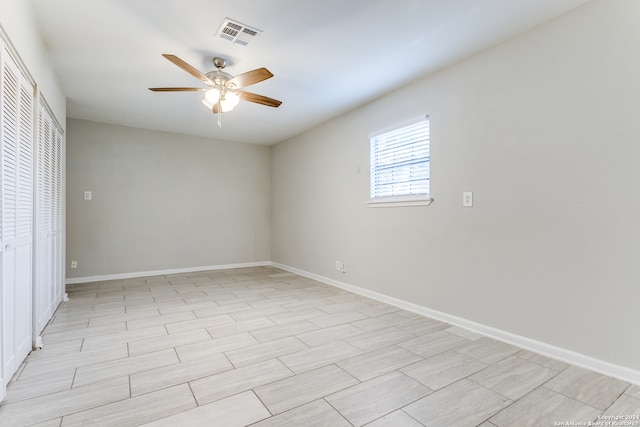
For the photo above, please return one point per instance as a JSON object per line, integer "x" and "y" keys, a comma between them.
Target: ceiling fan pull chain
{"x": 220, "y": 97}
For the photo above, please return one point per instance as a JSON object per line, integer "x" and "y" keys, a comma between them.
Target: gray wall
{"x": 544, "y": 130}
{"x": 163, "y": 201}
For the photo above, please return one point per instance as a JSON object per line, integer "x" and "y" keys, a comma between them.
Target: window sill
{"x": 391, "y": 202}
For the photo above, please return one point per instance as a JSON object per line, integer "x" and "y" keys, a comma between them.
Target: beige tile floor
{"x": 262, "y": 347}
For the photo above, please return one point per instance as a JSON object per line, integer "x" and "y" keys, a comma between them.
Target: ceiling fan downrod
{"x": 219, "y": 63}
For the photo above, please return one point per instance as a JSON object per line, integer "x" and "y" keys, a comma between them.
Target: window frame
{"x": 421, "y": 199}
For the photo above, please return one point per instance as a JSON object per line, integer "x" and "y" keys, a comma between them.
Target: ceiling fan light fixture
{"x": 228, "y": 101}
{"x": 225, "y": 107}
{"x": 206, "y": 103}
{"x": 231, "y": 99}
{"x": 212, "y": 95}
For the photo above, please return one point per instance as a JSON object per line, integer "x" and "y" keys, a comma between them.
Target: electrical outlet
{"x": 74, "y": 264}
{"x": 343, "y": 267}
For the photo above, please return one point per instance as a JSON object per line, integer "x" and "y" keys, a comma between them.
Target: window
{"x": 400, "y": 164}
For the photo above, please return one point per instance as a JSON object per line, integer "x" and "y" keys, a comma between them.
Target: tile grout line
{"x": 324, "y": 398}
{"x": 262, "y": 403}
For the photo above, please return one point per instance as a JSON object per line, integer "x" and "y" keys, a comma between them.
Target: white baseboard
{"x": 3, "y": 389}
{"x": 568, "y": 356}
{"x": 75, "y": 280}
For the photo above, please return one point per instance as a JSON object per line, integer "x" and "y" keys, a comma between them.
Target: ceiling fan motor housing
{"x": 219, "y": 77}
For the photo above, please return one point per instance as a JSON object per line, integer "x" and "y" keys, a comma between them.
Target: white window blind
{"x": 400, "y": 161}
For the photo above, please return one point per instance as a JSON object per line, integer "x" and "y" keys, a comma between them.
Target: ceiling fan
{"x": 223, "y": 92}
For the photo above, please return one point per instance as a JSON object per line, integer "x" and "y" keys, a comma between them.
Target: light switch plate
{"x": 87, "y": 195}
{"x": 467, "y": 199}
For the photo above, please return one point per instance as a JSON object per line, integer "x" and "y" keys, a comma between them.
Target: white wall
{"x": 163, "y": 201}
{"x": 544, "y": 130}
{"x": 18, "y": 22}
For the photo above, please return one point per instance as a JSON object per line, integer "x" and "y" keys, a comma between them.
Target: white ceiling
{"x": 327, "y": 56}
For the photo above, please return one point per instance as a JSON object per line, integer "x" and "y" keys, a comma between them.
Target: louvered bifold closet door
{"x": 48, "y": 251}
{"x": 45, "y": 286}
{"x": 58, "y": 260}
{"x": 24, "y": 218}
{"x": 16, "y": 108}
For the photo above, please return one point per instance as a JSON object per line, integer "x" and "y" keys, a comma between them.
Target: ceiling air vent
{"x": 237, "y": 33}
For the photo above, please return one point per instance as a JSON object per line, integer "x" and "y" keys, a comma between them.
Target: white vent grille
{"x": 237, "y": 33}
